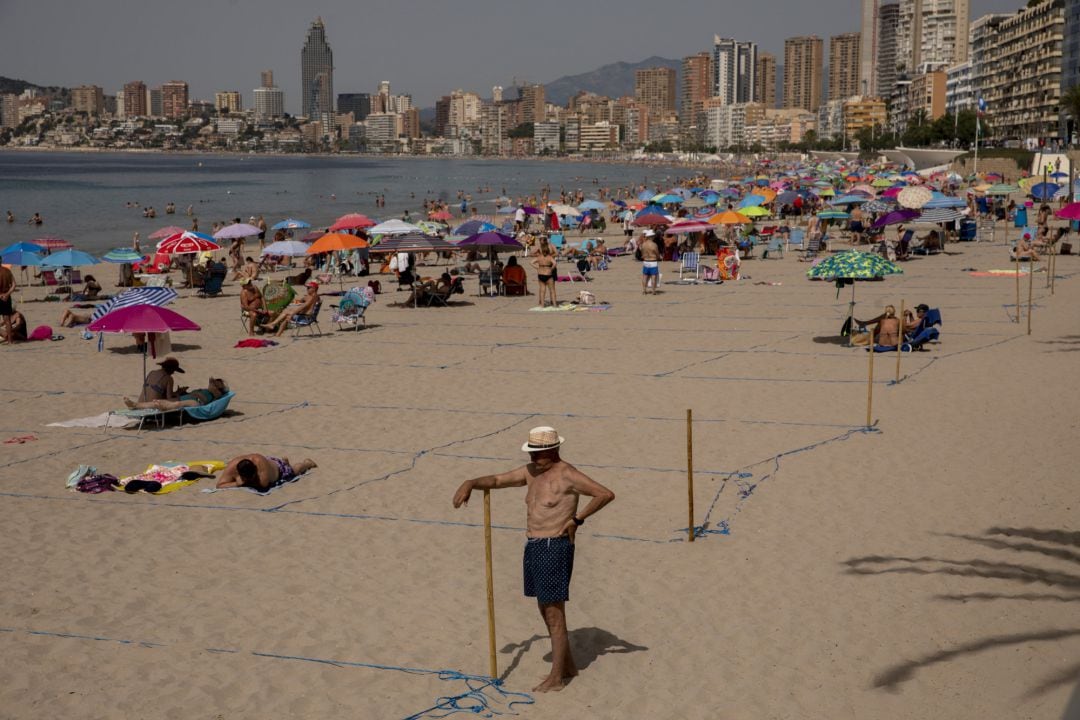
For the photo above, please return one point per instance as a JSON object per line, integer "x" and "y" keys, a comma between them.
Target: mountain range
{"x": 614, "y": 80}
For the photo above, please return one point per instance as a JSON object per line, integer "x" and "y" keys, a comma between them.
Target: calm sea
{"x": 84, "y": 197}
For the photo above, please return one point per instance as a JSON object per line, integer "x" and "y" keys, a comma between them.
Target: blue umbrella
{"x": 667, "y": 199}
{"x": 21, "y": 257}
{"x": 850, "y": 200}
{"x": 945, "y": 201}
{"x": 122, "y": 255}
{"x": 1044, "y": 191}
{"x": 70, "y": 258}
{"x": 472, "y": 227}
{"x": 592, "y": 205}
{"x": 21, "y": 246}
{"x": 509, "y": 210}
{"x": 291, "y": 224}
{"x": 751, "y": 200}
{"x": 646, "y": 195}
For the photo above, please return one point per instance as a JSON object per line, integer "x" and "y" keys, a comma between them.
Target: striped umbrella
{"x": 939, "y": 215}
{"x": 122, "y": 255}
{"x": 52, "y": 243}
{"x": 158, "y": 296}
{"x": 1002, "y": 189}
{"x": 413, "y": 242}
{"x": 945, "y": 201}
{"x": 833, "y": 215}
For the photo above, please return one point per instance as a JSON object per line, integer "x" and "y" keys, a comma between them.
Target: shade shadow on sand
{"x": 132, "y": 350}
{"x": 587, "y": 644}
{"x": 830, "y": 340}
{"x": 1055, "y": 544}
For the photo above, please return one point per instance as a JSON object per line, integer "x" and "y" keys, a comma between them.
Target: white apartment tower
{"x": 734, "y": 70}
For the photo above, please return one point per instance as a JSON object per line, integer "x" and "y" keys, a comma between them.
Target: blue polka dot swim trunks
{"x": 548, "y": 564}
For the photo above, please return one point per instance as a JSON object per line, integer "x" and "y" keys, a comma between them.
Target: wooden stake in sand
{"x": 1031, "y": 283}
{"x": 493, "y": 663}
{"x": 900, "y": 341}
{"x": 1017, "y": 285}
{"x": 690, "y": 473}
{"x": 870, "y": 384}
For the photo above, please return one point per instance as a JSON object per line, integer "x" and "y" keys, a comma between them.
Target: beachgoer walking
{"x": 650, "y": 262}
{"x": 7, "y": 287}
{"x": 519, "y": 219}
{"x": 261, "y": 472}
{"x": 551, "y": 501}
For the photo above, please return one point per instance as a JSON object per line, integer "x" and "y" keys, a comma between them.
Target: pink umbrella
{"x": 1069, "y": 212}
{"x": 141, "y": 319}
{"x": 690, "y": 226}
{"x": 52, "y": 243}
{"x": 166, "y": 232}
{"x": 440, "y": 215}
{"x": 352, "y": 221}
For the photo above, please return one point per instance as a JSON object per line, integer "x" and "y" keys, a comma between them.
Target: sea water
{"x": 96, "y": 200}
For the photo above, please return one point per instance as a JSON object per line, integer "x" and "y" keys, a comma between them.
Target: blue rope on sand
{"x": 485, "y": 696}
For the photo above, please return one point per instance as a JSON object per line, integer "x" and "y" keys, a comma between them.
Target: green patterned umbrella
{"x": 849, "y": 266}
{"x": 1002, "y": 189}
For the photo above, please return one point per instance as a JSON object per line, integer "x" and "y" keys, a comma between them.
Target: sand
{"x": 926, "y": 568}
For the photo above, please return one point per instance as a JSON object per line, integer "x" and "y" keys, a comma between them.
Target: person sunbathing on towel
{"x": 261, "y": 472}
{"x": 71, "y": 318}
{"x": 215, "y": 389}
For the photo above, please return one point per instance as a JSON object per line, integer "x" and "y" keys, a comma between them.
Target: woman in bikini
{"x": 546, "y": 272}
{"x": 215, "y": 389}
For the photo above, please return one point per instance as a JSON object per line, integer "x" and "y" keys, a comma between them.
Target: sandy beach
{"x": 924, "y": 567}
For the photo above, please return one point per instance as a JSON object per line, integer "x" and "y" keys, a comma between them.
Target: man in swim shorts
{"x": 261, "y": 472}
{"x": 650, "y": 263}
{"x": 553, "y": 518}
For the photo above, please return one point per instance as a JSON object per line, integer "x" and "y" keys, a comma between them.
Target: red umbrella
{"x": 185, "y": 243}
{"x": 352, "y": 221}
{"x": 52, "y": 243}
{"x": 166, "y": 232}
{"x": 440, "y": 215}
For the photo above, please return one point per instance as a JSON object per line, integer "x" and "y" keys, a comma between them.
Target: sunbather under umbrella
{"x": 132, "y": 319}
{"x": 848, "y": 266}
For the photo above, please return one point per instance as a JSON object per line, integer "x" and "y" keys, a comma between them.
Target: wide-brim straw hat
{"x": 542, "y": 438}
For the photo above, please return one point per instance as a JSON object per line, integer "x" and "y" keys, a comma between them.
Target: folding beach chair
{"x": 796, "y": 238}
{"x": 775, "y": 249}
{"x": 690, "y": 262}
{"x": 74, "y": 277}
{"x": 310, "y": 321}
{"x": 351, "y": 309}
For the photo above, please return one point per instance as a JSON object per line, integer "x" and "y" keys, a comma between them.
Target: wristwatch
{"x": 578, "y": 521}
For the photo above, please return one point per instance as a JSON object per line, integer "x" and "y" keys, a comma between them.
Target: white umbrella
{"x": 236, "y": 230}
{"x": 394, "y": 227}
{"x": 288, "y": 248}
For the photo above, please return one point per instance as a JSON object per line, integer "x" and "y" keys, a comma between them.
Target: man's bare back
{"x": 650, "y": 251}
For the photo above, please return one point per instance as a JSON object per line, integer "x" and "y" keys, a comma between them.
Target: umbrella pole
{"x": 870, "y": 384}
{"x": 690, "y": 473}
{"x": 1016, "y": 256}
{"x": 851, "y": 313}
{"x": 1031, "y": 283}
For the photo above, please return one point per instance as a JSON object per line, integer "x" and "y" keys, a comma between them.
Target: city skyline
{"x": 426, "y": 60}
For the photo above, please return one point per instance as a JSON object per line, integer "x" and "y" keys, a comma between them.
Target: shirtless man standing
{"x": 650, "y": 263}
{"x": 261, "y": 472}
{"x": 7, "y": 308}
{"x": 553, "y": 518}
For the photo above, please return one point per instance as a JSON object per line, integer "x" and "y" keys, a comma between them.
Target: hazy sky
{"x": 423, "y": 47}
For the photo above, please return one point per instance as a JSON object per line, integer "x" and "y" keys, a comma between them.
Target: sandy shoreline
{"x": 925, "y": 568}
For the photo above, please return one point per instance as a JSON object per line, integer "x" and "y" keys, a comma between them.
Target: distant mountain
{"x": 613, "y": 81}
{"x": 11, "y": 86}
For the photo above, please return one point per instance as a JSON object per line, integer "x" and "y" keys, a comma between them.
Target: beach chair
{"x": 210, "y": 411}
{"x": 351, "y": 310}
{"x": 690, "y": 262}
{"x": 310, "y": 321}
{"x": 514, "y": 281}
{"x": 775, "y": 248}
{"x": 491, "y": 280}
{"x": 814, "y": 246}
{"x": 74, "y": 277}
{"x": 48, "y": 277}
{"x": 796, "y": 238}
{"x": 557, "y": 241}
{"x": 212, "y": 286}
{"x": 927, "y": 331}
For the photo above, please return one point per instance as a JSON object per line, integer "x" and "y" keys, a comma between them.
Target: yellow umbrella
{"x": 729, "y": 217}
{"x": 754, "y": 211}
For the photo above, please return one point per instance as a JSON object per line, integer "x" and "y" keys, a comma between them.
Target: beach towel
{"x": 255, "y": 343}
{"x": 170, "y": 476}
{"x": 1010, "y": 273}
{"x": 97, "y": 421}
{"x": 571, "y": 307}
{"x": 269, "y": 490}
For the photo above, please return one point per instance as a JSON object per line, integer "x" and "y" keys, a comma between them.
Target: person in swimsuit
{"x": 261, "y": 472}
{"x": 553, "y": 517}
{"x": 159, "y": 383}
{"x": 650, "y": 263}
{"x": 546, "y": 272}
{"x": 215, "y": 389}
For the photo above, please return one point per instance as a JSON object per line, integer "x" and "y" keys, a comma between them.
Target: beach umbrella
{"x": 879, "y": 206}
{"x": 69, "y": 258}
{"x": 336, "y": 241}
{"x": 141, "y": 318}
{"x": 290, "y": 224}
{"x": 1002, "y": 189}
{"x": 896, "y": 217}
{"x": 158, "y": 296}
{"x": 729, "y": 217}
{"x": 52, "y": 243}
{"x": 122, "y": 256}
{"x": 852, "y": 265}
{"x": 352, "y": 221}
{"x": 833, "y": 215}
{"x": 694, "y": 202}
{"x": 787, "y": 197}
{"x": 392, "y": 227}
{"x": 492, "y": 239}
{"x": 881, "y": 183}
{"x": 313, "y": 236}
{"x": 597, "y": 205}
{"x": 413, "y": 242}
{"x": 508, "y": 210}
{"x": 645, "y": 195}
{"x": 939, "y": 215}
{"x": 826, "y": 192}
{"x": 754, "y": 211}
{"x": 914, "y": 197}
{"x": 751, "y": 201}
{"x": 1044, "y": 191}
{"x": 849, "y": 200}
{"x": 689, "y": 226}
{"x": 236, "y": 230}
{"x": 21, "y": 247}
{"x": 666, "y": 199}
{"x": 431, "y": 227}
{"x": 165, "y": 232}
{"x": 649, "y": 219}
{"x": 559, "y": 209}
{"x": 473, "y": 227}
{"x": 288, "y": 248}
{"x": 440, "y": 215}
{"x": 187, "y": 243}
{"x": 944, "y": 201}
{"x": 1069, "y": 212}
{"x": 864, "y": 189}
{"x": 1058, "y": 175}
{"x": 21, "y": 257}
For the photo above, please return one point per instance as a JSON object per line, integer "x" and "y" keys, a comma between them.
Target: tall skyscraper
{"x": 533, "y": 100}
{"x": 932, "y": 31}
{"x": 697, "y": 84}
{"x": 844, "y": 66}
{"x": 174, "y": 99}
{"x": 266, "y": 78}
{"x": 888, "y": 19}
{"x": 359, "y": 104}
{"x": 802, "y": 72}
{"x": 765, "y": 80}
{"x": 135, "y": 99}
{"x": 316, "y": 73}
{"x": 869, "y": 44}
{"x": 655, "y": 89}
{"x": 89, "y": 99}
{"x": 734, "y": 70}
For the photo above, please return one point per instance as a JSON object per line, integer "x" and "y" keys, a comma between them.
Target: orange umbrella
{"x": 768, "y": 193}
{"x": 336, "y": 241}
{"x": 729, "y": 217}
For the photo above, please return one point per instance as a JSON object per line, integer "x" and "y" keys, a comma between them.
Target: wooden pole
{"x": 1017, "y": 254}
{"x": 1031, "y": 283}
{"x": 900, "y": 341}
{"x": 1053, "y": 265}
{"x": 870, "y": 383}
{"x": 690, "y": 473}
{"x": 493, "y": 663}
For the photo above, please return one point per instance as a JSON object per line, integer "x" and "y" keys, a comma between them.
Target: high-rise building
{"x": 532, "y": 103}
{"x": 697, "y": 84}
{"x": 269, "y": 103}
{"x": 868, "y": 49}
{"x": 359, "y": 104}
{"x": 655, "y": 89}
{"x": 316, "y": 73}
{"x": 888, "y": 19}
{"x": 174, "y": 99}
{"x": 89, "y": 99}
{"x": 734, "y": 70}
{"x": 497, "y": 94}
{"x": 1070, "y": 65}
{"x": 765, "y": 81}
{"x": 135, "y": 99}
{"x": 844, "y": 65}
{"x": 931, "y": 32}
{"x": 228, "y": 101}
{"x": 266, "y": 78}
{"x": 802, "y": 72}
{"x": 153, "y": 103}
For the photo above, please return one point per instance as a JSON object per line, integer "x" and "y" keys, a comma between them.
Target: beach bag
{"x": 1066, "y": 248}
{"x": 845, "y": 329}
{"x": 94, "y": 484}
{"x": 586, "y": 298}
{"x": 394, "y": 263}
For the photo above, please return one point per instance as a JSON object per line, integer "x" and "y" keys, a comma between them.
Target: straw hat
{"x": 171, "y": 364}
{"x": 542, "y": 438}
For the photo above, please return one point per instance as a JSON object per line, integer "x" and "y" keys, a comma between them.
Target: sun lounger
{"x": 211, "y": 411}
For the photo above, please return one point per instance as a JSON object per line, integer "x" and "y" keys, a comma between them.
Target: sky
{"x": 425, "y": 48}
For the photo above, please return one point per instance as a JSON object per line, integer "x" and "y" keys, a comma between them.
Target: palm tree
{"x": 1070, "y": 103}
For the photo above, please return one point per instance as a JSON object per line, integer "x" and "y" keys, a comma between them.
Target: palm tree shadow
{"x": 587, "y": 644}
{"x": 1055, "y": 544}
